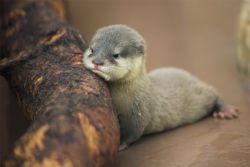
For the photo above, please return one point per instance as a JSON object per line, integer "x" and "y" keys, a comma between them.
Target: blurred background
{"x": 199, "y": 36}
{"x": 175, "y": 31}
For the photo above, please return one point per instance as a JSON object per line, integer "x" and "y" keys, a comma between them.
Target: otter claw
{"x": 228, "y": 113}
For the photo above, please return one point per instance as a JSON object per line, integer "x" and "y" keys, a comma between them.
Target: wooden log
{"x": 73, "y": 120}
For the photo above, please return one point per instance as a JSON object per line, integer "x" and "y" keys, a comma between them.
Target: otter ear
{"x": 141, "y": 49}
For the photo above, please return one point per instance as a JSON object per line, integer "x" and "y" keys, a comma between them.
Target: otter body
{"x": 183, "y": 97}
{"x": 164, "y": 99}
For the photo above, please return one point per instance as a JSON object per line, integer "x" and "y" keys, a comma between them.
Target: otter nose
{"x": 96, "y": 62}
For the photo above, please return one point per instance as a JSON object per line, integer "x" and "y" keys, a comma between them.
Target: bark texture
{"x": 73, "y": 120}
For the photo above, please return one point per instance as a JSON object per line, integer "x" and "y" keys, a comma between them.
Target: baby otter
{"x": 165, "y": 99}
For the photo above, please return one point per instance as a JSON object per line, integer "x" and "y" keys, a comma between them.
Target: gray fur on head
{"x": 107, "y": 39}
{"x": 115, "y": 40}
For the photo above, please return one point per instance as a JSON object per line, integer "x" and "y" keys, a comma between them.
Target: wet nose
{"x": 96, "y": 62}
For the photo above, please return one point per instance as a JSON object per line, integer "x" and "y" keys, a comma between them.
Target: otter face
{"x": 115, "y": 53}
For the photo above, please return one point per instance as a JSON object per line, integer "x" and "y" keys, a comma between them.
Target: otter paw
{"x": 229, "y": 113}
{"x": 122, "y": 147}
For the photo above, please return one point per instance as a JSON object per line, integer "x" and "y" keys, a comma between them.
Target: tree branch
{"x": 74, "y": 122}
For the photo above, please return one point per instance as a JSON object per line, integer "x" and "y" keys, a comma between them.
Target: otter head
{"x": 116, "y": 53}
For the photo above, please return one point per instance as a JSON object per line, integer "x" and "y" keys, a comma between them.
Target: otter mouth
{"x": 101, "y": 73}
{"x": 98, "y": 71}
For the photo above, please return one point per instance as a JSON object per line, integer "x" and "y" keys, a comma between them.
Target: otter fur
{"x": 164, "y": 99}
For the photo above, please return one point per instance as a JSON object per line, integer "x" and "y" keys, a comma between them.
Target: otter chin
{"x": 164, "y": 99}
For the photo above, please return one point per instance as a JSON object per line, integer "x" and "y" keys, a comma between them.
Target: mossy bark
{"x": 73, "y": 120}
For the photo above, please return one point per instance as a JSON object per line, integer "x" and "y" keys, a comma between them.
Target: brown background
{"x": 196, "y": 35}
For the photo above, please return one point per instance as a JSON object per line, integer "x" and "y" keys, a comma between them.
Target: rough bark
{"x": 73, "y": 120}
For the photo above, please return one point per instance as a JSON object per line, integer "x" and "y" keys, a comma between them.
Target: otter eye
{"x": 92, "y": 50}
{"x": 116, "y": 56}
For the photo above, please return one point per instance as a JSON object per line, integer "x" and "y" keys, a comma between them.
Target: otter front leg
{"x": 131, "y": 129}
{"x": 223, "y": 110}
